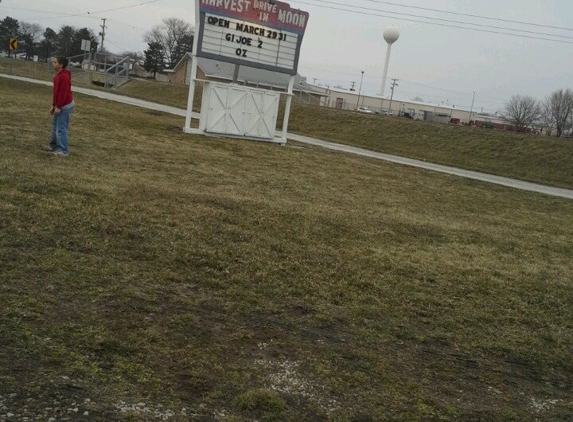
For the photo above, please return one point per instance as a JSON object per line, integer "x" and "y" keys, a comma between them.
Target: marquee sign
{"x": 265, "y": 34}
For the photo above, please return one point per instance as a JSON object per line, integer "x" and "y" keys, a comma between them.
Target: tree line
{"x": 34, "y": 40}
{"x": 554, "y": 115}
{"x": 167, "y": 42}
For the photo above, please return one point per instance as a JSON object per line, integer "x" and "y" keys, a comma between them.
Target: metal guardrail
{"x": 117, "y": 74}
{"x": 110, "y": 70}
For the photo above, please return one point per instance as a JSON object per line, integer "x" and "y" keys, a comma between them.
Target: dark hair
{"x": 63, "y": 61}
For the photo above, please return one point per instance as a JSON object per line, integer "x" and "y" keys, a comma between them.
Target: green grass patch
{"x": 154, "y": 274}
{"x": 265, "y": 404}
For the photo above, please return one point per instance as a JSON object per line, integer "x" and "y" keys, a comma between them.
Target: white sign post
{"x": 86, "y": 45}
{"x": 264, "y": 34}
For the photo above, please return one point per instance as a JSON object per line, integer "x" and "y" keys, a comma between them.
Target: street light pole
{"x": 360, "y": 89}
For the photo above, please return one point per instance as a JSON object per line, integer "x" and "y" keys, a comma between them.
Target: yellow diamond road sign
{"x": 13, "y": 44}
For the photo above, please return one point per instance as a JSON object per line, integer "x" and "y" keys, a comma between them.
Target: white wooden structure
{"x": 264, "y": 34}
{"x": 239, "y": 111}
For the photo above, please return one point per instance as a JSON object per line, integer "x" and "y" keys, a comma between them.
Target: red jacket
{"x": 62, "y": 89}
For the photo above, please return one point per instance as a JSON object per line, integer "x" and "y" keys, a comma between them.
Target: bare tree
{"x": 30, "y": 34}
{"x": 521, "y": 111}
{"x": 175, "y": 37}
{"x": 558, "y": 111}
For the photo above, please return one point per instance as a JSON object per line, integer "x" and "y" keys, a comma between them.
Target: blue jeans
{"x": 60, "y": 124}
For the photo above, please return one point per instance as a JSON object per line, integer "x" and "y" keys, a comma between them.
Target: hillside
{"x": 154, "y": 275}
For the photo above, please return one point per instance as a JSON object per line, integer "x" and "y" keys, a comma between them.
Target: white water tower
{"x": 391, "y": 35}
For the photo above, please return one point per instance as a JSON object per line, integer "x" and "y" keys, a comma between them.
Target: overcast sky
{"x": 440, "y": 64}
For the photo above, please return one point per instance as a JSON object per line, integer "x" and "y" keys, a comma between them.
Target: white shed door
{"x": 261, "y": 118}
{"x": 241, "y": 111}
{"x": 225, "y": 111}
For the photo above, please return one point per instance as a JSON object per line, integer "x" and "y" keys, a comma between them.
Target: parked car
{"x": 364, "y": 109}
{"x": 384, "y": 112}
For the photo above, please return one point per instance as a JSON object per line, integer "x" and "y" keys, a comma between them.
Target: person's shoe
{"x": 49, "y": 148}
{"x": 60, "y": 153}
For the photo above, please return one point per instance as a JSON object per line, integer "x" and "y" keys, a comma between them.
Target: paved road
{"x": 498, "y": 180}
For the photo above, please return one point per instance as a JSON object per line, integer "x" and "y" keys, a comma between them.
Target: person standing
{"x": 62, "y": 107}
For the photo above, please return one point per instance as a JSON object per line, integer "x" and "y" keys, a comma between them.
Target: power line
{"x": 443, "y": 20}
{"x": 457, "y": 99}
{"x": 334, "y": 72}
{"x": 92, "y": 15}
{"x": 47, "y": 12}
{"x": 124, "y": 7}
{"x": 471, "y": 15}
{"x": 448, "y": 90}
{"x": 457, "y": 94}
{"x": 118, "y": 46}
{"x": 450, "y": 20}
{"x": 83, "y": 14}
{"x": 449, "y": 25}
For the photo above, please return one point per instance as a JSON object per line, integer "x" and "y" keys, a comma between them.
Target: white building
{"x": 350, "y": 100}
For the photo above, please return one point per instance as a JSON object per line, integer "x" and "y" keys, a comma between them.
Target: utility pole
{"x": 394, "y": 84}
{"x": 360, "y": 89}
{"x": 352, "y": 87}
{"x": 472, "y": 109}
{"x": 313, "y": 79}
{"x": 102, "y": 33}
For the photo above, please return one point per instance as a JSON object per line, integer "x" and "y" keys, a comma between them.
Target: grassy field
{"x": 154, "y": 275}
{"x": 538, "y": 159}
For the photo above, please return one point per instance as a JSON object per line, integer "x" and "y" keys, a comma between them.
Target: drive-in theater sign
{"x": 253, "y": 32}
{"x": 263, "y": 34}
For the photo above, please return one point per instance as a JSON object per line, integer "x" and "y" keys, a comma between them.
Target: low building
{"x": 350, "y": 100}
{"x": 214, "y": 70}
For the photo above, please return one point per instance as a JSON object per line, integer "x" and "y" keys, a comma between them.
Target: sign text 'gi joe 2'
{"x": 259, "y": 33}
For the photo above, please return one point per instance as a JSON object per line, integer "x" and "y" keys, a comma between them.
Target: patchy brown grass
{"x": 534, "y": 158}
{"x": 154, "y": 275}
{"x": 538, "y": 159}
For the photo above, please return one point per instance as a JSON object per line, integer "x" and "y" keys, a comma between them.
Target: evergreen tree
{"x": 79, "y": 36}
{"x": 64, "y": 41}
{"x": 184, "y": 45}
{"x": 154, "y": 58}
{"x": 9, "y": 28}
{"x": 48, "y": 44}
